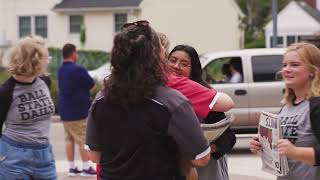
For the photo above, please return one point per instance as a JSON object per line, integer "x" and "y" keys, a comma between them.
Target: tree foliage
{"x": 258, "y": 14}
{"x": 83, "y": 34}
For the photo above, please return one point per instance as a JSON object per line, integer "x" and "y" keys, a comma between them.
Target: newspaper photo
{"x": 269, "y": 132}
{"x": 214, "y": 130}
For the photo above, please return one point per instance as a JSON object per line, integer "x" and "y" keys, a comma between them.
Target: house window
{"x": 75, "y": 23}
{"x": 291, "y": 40}
{"x": 119, "y": 21}
{"x": 41, "y": 26}
{"x": 279, "y": 41}
{"x": 29, "y": 25}
{"x": 24, "y": 26}
{"x": 299, "y": 38}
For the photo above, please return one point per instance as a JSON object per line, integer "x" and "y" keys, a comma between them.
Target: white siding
{"x": 293, "y": 20}
{"x": 208, "y": 25}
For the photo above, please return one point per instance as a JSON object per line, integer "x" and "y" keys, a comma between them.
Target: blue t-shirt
{"x": 74, "y": 91}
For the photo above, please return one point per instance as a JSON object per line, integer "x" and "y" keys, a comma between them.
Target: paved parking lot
{"x": 242, "y": 164}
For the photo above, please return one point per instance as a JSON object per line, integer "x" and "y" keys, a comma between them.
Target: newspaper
{"x": 269, "y": 132}
{"x": 214, "y": 130}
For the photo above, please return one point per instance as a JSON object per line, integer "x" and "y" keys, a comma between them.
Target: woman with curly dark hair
{"x": 136, "y": 66}
{"x": 137, "y": 126}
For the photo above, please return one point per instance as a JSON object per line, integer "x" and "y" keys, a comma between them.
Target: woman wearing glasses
{"x": 184, "y": 61}
{"x": 137, "y": 125}
{"x": 26, "y": 108}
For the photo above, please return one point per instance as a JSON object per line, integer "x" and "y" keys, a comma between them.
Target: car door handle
{"x": 240, "y": 92}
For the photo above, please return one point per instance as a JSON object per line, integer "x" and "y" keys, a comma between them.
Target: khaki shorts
{"x": 75, "y": 131}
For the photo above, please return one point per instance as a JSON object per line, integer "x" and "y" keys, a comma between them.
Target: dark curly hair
{"x": 136, "y": 66}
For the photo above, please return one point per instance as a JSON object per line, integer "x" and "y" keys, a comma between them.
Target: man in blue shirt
{"x": 74, "y": 102}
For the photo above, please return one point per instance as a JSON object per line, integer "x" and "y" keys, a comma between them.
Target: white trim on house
{"x": 293, "y": 20}
{"x": 95, "y": 9}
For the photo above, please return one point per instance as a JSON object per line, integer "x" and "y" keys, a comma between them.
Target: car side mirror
{"x": 278, "y": 76}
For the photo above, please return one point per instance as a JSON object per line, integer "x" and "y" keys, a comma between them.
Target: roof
{"x": 310, "y": 10}
{"x": 297, "y": 18}
{"x": 65, "y": 5}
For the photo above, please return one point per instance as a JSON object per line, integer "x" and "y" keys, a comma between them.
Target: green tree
{"x": 83, "y": 34}
{"x": 258, "y": 14}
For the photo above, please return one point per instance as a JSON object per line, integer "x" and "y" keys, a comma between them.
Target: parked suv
{"x": 256, "y": 87}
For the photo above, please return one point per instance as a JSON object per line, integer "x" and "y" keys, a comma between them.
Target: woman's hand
{"x": 255, "y": 145}
{"x": 214, "y": 148}
{"x": 305, "y": 154}
{"x": 286, "y": 148}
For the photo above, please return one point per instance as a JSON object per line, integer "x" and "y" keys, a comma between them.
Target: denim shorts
{"x": 26, "y": 161}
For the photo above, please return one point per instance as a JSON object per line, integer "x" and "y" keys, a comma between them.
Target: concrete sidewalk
{"x": 63, "y": 176}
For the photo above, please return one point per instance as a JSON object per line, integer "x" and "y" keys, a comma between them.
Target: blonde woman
{"x": 300, "y": 115}
{"x": 26, "y": 108}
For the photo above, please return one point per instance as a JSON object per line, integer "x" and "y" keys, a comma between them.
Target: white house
{"x": 208, "y": 25}
{"x": 299, "y": 20}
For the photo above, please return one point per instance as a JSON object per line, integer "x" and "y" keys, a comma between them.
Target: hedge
{"x": 90, "y": 59}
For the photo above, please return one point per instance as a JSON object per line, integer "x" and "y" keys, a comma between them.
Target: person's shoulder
{"x": 315, "y": 99}
{"x": 181, "y": 83}
{"x": 170, "y": 92}
{"x": 99, "y": 97}
{"x": 46, "y": 80}
{"x": 79, "y": 66}
{"x": 314, "y": 103}
{"x": 174, "y": 80}
{"x": 169, "y": 97}
{"x": 7, "y": 87}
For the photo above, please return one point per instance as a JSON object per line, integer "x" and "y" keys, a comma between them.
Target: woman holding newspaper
{"x": 299, "y": 117}
{"x": 184, "y": 61}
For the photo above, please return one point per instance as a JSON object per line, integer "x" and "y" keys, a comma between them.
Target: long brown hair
{"x": 136, "y": 69}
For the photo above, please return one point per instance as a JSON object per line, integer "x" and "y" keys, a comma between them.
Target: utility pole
{"x": 274, "y": 24}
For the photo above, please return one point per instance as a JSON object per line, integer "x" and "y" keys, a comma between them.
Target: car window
{"x": 265, "y": 67}
{"x": 223, "y": 70}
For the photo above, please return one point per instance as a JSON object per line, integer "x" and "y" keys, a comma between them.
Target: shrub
{"x": 4, "y": 75}
{"x": 82, "y": 34}
{"x": 55, "y": 90}
{"x": 90, "y": 59}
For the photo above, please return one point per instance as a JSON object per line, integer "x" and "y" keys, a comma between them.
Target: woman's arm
{"x": 315, "y": 124}
{"x": 223, "y": 103}
{"x": 224, "y": 143}
{"x": 202, "y": 161}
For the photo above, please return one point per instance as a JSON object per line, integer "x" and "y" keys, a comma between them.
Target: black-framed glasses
{"x": 137, "y": 23}
{"x": 181, "y": 64}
